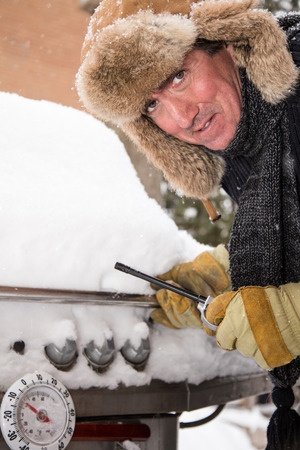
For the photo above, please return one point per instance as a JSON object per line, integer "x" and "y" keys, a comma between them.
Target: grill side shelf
{"x": 21, "y": 294}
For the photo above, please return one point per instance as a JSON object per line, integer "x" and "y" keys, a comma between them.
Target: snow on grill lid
{"x": 71, "y": 205}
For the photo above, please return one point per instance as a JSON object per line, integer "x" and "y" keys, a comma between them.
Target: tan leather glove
{"x": 205, "y": 275}
{"x": 176, "y": 311}
{"x": 261, "y": 323}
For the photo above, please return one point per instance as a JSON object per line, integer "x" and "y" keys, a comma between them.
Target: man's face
{"x": 200, "y": 104}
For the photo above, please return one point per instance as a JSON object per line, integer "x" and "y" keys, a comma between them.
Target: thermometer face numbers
{"x": 37, "y": 413}
{"x": 41, "y": 415}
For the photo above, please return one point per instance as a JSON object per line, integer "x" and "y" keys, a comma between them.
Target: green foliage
{"x": 190, "y": 215}
{"x": 281, "y": 5}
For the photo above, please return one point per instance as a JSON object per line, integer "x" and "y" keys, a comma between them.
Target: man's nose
{"x": 183, "y": 112}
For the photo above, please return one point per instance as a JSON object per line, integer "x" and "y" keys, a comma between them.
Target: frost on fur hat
{"x": 133, "y": 46}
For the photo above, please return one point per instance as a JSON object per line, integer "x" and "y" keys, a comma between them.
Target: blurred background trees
{"x": 281, "y": 5}
{"x": 190, "y": 215}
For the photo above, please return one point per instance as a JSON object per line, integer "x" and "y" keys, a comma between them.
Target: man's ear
{"x": 230, "y": 50}
{"x": 231, "y": 54}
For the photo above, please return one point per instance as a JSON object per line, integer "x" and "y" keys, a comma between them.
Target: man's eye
{"x": 178, "y": 77}
{"x": 150, "y": 106}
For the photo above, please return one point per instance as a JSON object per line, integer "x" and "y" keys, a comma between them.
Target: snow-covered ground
{"x": 231, "y": 430}
{"x": 71, "y": 205}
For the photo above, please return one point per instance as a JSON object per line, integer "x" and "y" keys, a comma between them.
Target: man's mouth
{"x": 204, "y": 125}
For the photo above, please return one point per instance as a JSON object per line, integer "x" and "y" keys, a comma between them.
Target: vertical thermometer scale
{"x": 37, "y": 413}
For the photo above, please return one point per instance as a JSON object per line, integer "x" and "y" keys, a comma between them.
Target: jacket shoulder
{"x": 294, "y": 45}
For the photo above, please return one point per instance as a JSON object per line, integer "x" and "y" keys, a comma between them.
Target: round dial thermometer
{"x": 37, "y": 413}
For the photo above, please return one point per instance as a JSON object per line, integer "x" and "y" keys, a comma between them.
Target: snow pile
{"x": 71, "y": 205}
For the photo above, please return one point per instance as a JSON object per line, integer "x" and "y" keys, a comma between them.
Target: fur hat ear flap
{"x": 186, "y": 167}
{"x": 259, "y": 44}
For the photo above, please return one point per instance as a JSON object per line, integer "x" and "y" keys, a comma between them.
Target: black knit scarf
{"x": 265, "y": 241}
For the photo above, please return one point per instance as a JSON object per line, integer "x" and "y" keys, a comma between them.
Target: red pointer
{"x": 40, "y": 414}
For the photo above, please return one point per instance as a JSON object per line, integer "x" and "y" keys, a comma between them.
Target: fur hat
{"x": 132, "y": 46}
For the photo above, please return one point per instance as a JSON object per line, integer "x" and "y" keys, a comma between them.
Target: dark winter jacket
{"x": 238, "y": 169}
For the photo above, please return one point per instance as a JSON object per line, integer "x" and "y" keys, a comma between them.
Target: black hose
{"x": 197, "y": 423}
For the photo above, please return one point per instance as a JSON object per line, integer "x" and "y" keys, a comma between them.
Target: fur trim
{"x": 186, "y": 167}
{"x": 128, "y": 58}
{"x": 116, "y": 77}
{"x": 260, "y": 45}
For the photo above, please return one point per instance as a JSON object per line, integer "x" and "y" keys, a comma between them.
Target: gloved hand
{"x": 261, "y": 323}
{"x": 205, "y": 275}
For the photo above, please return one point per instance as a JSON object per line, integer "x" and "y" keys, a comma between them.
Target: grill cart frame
{"x": 148, "y": 415}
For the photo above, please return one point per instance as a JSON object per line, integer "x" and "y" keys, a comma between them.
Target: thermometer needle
{"x": 41, "y": 416}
